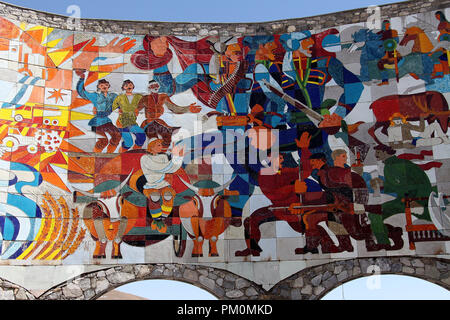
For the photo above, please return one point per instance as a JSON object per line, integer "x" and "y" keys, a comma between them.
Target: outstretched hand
{"x": 376, "y": 182}
{"x": 178, "y": 151}
{"x": 80, "y": 73}
{"x": 333, "y": 120}
{"x": 118, "y": 46}
{"x": 304, "y": 141}
{"x": 300, "y": 186}
{"x": 91, "y": 51}
{"x": 194, "y": 108}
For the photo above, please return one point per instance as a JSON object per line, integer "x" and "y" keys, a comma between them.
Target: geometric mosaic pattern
{"x": 300, "y": 147}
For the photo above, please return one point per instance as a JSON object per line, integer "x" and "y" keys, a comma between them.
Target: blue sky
{"x": 391, "y": 287}
{"x": 386, "y": 287}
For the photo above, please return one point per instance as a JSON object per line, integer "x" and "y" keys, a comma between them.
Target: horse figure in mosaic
{"x": 420, "y": 63}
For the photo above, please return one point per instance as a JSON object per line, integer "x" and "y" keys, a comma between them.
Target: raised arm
{"x": 418, "y": 128}
{"x": 82, "y": 91}
{"x": 179, "y": 109}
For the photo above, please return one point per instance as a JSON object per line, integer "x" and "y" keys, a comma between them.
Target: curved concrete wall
{"x": 400, "y": 9}
{"x": 263, "y": 149}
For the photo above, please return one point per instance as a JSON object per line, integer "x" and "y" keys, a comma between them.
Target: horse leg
{"x": 116, "y": 254}
{"x": 253, "y": 233}
{"x": 99, "y": 251}
{"x": 319, "y": 235}
{"x": 345, "y": 244}
{"x": 327, "y": 244}
{"x": 197, "y": 251}
{"x": 100, "y": 244}
{"x": 213, "y": 247}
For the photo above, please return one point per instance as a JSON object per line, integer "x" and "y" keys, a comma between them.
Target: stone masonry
{"x": 308, "y": 284}
{"x": 223, "y": 29}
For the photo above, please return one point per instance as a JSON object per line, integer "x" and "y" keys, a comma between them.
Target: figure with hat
{"x": 100, "y": 123}
{"x": 401, "y": 178}
{"x": 127, "y": 103}
{"x": 392, "y": 57}
{"x": 265, "y": 57}
{"x": 193, "y": 57}
{"x": 229, "y": 85}
{"x": 278, "y": 184}
{"x": 311, "y": 65}
{"x": 158, "y": 169}
{"x": 153, "y": 105}
{"x": 443, "y": 37}
{"x": 329, "y": 189}
{"x": 289, "y": 188}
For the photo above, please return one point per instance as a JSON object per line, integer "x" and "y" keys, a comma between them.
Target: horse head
{"x": 368, "y": 41}
{"x": 422, "y": 43}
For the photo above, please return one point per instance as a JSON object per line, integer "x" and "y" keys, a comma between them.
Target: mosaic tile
{"x": 64, "y": 133}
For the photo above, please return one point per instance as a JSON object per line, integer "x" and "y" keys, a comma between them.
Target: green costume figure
{"x": 405, "y": 178}
{"x": 127, "y": 103}
{"x": 402, "y": 178}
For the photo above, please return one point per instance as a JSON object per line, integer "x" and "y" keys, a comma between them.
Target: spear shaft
{"x": 311, "y": 114}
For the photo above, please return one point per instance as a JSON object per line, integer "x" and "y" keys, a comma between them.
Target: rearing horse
{"x": 422, "y": 45}
{"x": 419, "y": 63}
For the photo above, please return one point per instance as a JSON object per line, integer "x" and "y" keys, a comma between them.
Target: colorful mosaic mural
{"x": 319, "y": 144}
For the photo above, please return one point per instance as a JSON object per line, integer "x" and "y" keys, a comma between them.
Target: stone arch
{"x": 315, "y": 282}
{"x": 12, "y": 291}
{"x": 221, "y": 283}
{"x": 309, "y": 284}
